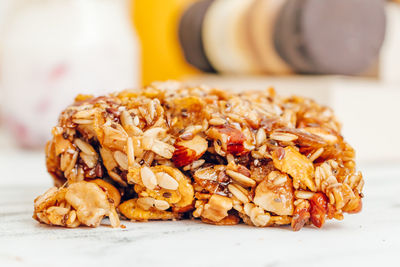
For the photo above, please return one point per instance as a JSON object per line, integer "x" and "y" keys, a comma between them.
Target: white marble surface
{"x": 370, "y": 238}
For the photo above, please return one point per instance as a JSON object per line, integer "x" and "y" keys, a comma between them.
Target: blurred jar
{"x": 156, "y": 22}
{"x": 53, "y": 50}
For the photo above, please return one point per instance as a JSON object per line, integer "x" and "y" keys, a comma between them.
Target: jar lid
{"x": 330, "y": 37}
{"x": 191, "y": 38}
{"x": 261, "y": 18}
{"x": 224, "y": 34}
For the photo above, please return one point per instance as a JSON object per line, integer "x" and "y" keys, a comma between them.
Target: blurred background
{"x": 343, "y": 53}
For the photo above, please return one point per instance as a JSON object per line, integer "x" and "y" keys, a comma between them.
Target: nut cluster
{"x": 170, "y": 152}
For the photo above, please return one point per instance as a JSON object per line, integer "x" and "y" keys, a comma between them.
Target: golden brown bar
{"x": 173, "y": 152}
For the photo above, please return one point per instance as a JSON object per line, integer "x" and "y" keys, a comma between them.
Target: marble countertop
{"x": 369, "y": 238}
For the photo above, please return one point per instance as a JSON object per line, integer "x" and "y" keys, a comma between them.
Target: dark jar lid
{"x": 190, "y": 35}
{"x": 330, "y": 36}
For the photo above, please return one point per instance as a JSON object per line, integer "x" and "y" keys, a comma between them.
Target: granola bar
{"x": 169, "y": 152}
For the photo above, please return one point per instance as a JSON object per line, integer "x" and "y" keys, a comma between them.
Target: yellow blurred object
{"x": 156, "y": 22}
